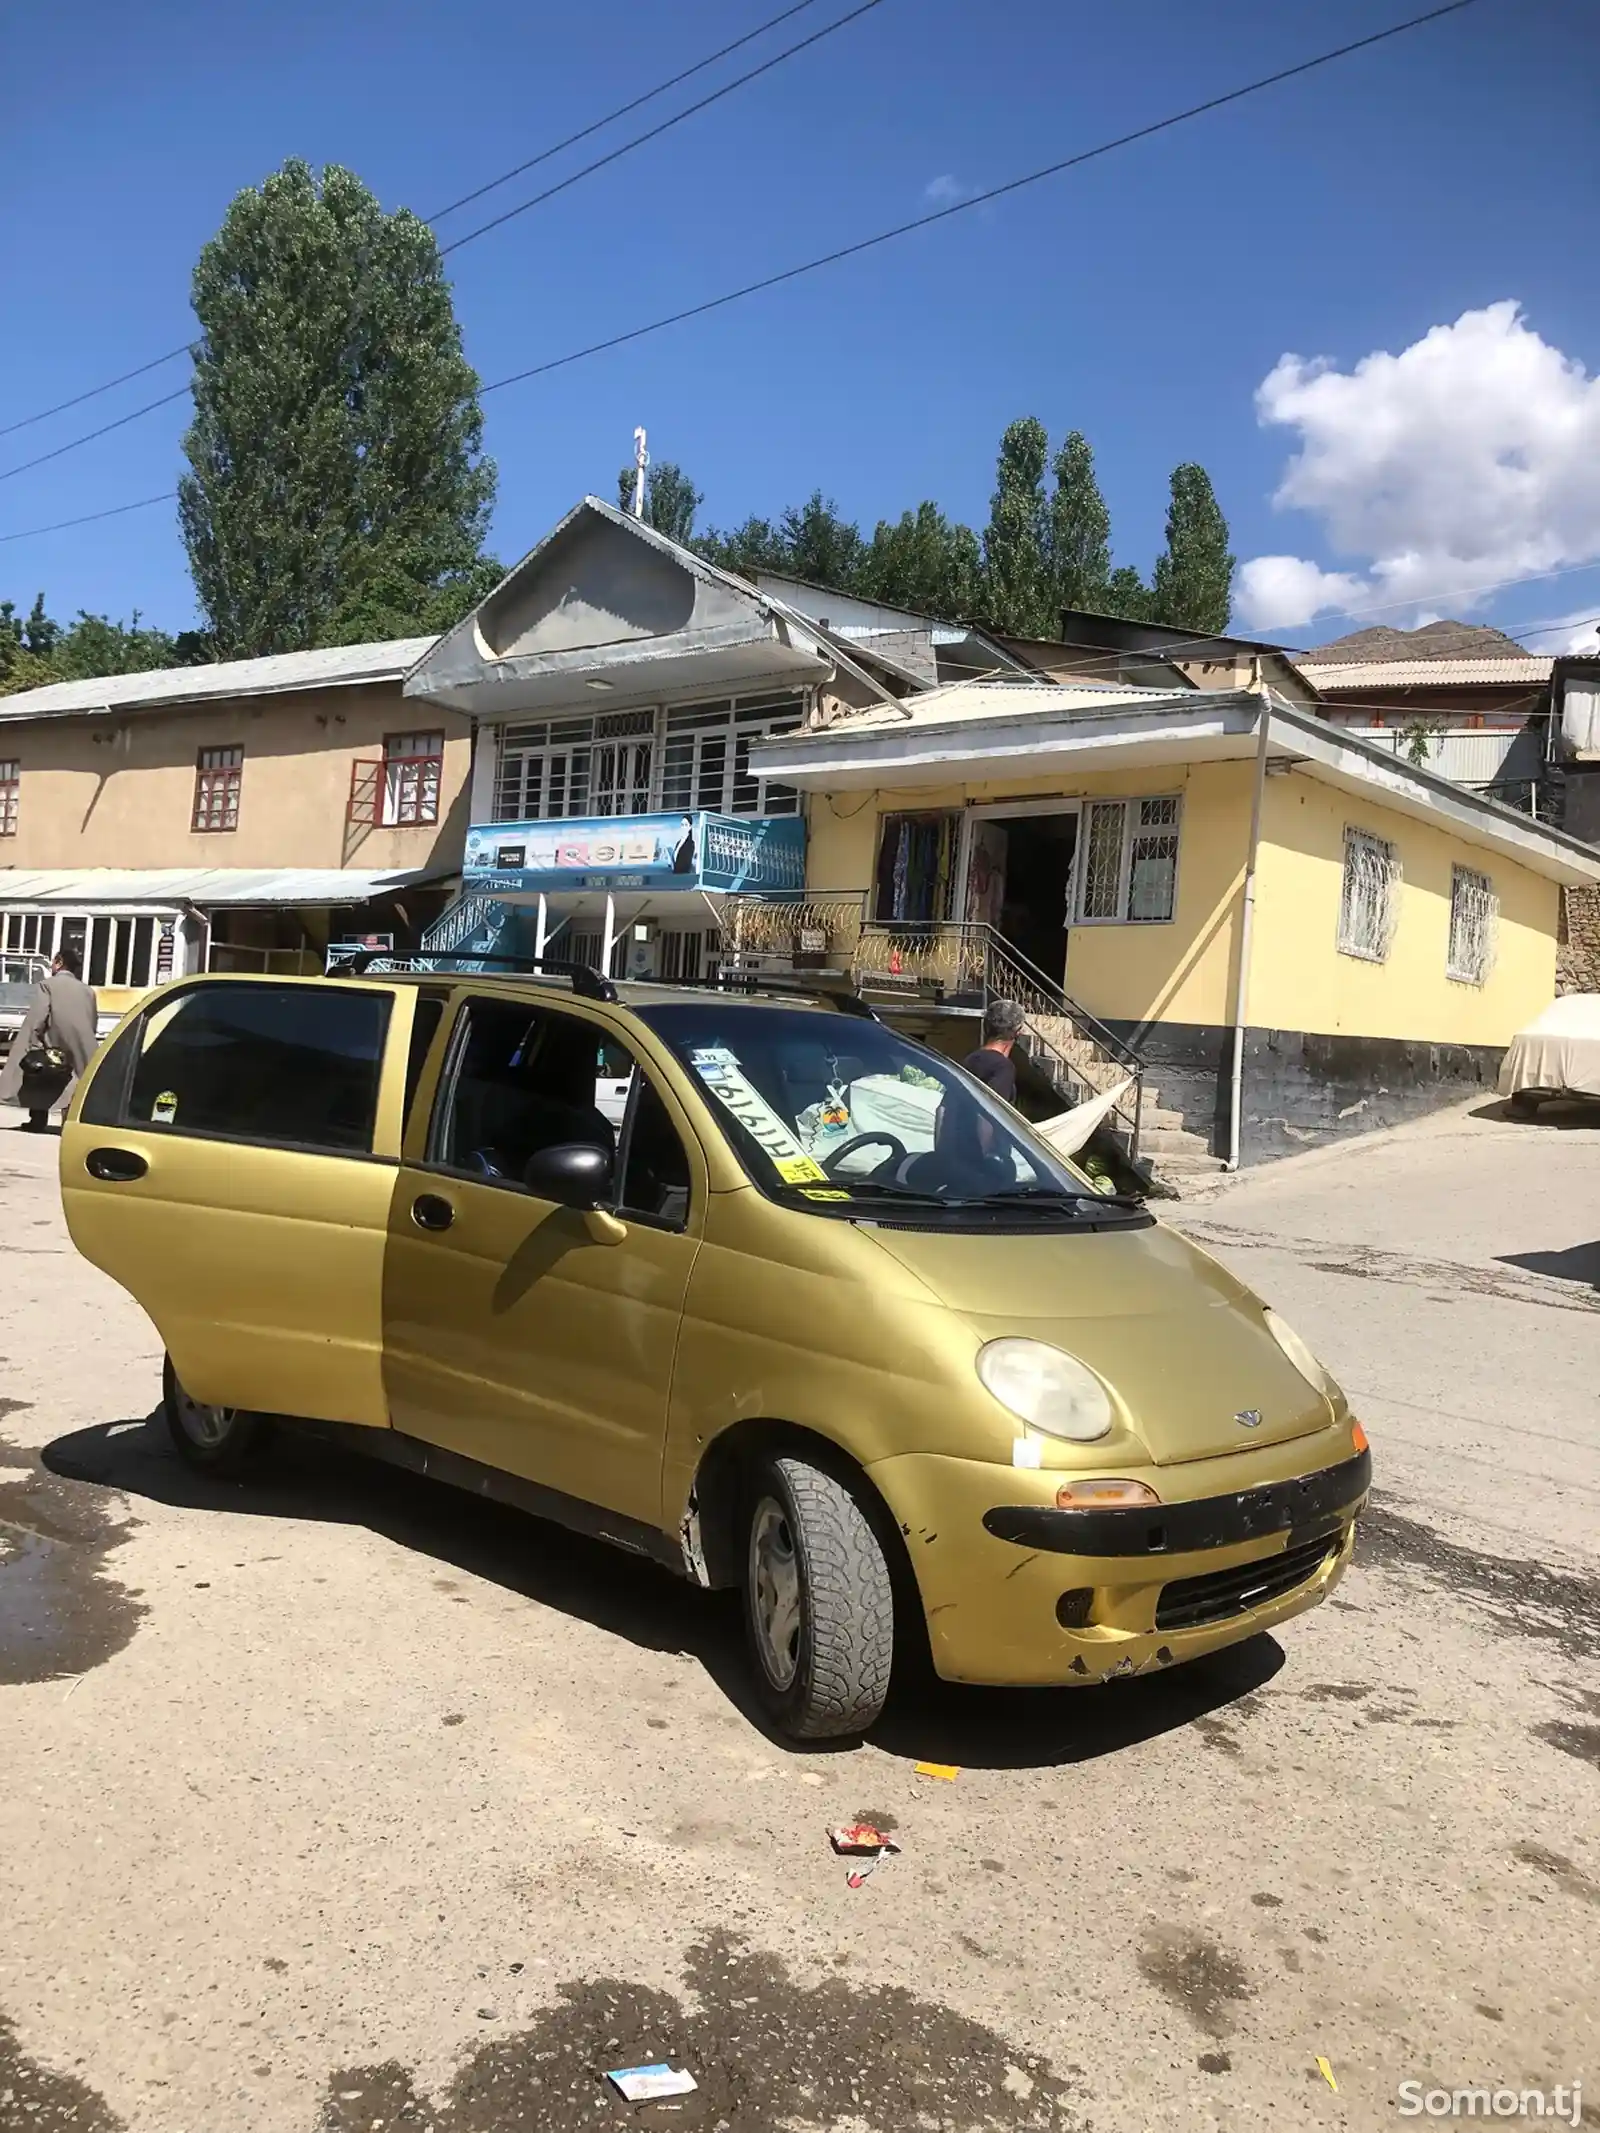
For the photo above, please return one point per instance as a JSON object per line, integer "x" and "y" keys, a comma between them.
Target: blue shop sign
{"x": 763, "y": 854}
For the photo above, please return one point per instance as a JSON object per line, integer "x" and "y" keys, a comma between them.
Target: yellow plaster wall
{"x": 1300, "y": 981}
{"x": 1178, "y": 972}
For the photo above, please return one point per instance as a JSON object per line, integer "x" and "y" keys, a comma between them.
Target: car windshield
{"x": 834, "y": 1112}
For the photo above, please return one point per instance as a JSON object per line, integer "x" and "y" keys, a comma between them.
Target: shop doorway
{"x": 1020, "y": 882}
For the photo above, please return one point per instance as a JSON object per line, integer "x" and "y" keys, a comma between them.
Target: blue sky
{"x": 1143, "y": 299}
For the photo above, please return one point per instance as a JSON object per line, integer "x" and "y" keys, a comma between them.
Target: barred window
{"x": 1129, "y": 869}
{"x": 1369, "y": 900}
{"x": 10, "y": 787}
{"x": 413, "y": 765}
{"x": 217, "y": 778}
{"x": 1474, "y": 924}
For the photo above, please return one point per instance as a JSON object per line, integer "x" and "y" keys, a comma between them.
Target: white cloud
{"x": 945, "y": 190}
{"x": 1466, "y": 459}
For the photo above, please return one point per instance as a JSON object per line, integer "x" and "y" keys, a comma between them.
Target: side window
{"x": 293, "y": 1066}
{"x": 521, "y": 1079}
{"x": 655, "y": 1169}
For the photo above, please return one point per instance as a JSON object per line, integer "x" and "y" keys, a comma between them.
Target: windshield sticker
{"x": 720, "y": 1072}
{"x": 814, "y": 1192}
{"x": 165, "y": 1109}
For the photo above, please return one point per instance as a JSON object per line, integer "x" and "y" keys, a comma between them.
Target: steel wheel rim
{"x": 776, "y": 1603}
{"x": 206, "y": 1426}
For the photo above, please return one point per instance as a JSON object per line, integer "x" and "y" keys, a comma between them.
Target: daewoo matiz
{"x": 820, "y": 1318}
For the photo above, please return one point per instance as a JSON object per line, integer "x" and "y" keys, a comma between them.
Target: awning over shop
{"x": 209, "y": 887}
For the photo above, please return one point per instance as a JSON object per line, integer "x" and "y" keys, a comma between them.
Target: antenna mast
{"x": 641, "y": 459}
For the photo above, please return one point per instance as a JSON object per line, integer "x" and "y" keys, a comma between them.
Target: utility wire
{"x": 622, "y": 110}
{"x": 677, "y": 119}
{"x": 26, "y": 466}
{"x": 95, "y": 391}
{"x": 937, "y": 215}
{"x": 116, "y": 510}
{"x": 995, "y": 192}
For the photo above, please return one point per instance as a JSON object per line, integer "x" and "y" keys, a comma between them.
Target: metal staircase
{"x": 473, "y": 926}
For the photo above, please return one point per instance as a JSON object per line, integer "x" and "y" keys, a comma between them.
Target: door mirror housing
{"x": 573, "y": 1174}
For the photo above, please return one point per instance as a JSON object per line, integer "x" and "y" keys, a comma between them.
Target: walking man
{"x": 992, "y": 1061}
{"x": 53, "y": 1046}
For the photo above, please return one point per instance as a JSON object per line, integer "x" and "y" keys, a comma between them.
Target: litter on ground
{"x": 643, "y": 2084}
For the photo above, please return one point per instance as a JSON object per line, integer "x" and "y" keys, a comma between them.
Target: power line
{"x": 667, "y": 125}
{"x": 996, "y": 192}
{"x": 505, "y": 177}
{"x": 937, "y": 215}
{"x": 621, "y": 111}
{"x": 89, "y": 517}
{"x": 95, "y": 391}
{"x": 72, "y": 444}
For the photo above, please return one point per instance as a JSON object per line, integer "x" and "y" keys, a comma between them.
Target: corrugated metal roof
{"x": 1425, "y": 673}
{"x": 341, "y": 666}
{"x": 207, "y": 886}
{"x": 962, "y": 700}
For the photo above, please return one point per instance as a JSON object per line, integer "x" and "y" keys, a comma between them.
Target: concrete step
{"x": 1153, "y": 1116}
{"x": 1170, "y": 1140}
{"x": 1182, "y": 1163}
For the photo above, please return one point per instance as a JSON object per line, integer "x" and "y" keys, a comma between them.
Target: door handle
{"x": 429, "y": 1211}
{"x": 117, "y": 1166}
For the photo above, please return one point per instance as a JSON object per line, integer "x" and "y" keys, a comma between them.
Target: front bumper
{"x": 1025, "y": 1595}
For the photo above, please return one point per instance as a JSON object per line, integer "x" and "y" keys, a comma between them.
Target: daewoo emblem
{"x": 1248, "y": 1418}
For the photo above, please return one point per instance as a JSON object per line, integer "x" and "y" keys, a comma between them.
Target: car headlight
{"x": 1301, "y": 1357}
{"x": 1047, "y": 1389}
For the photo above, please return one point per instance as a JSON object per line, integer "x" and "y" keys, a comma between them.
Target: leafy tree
{"x": 35, "y": 649}
{"x": 1078, "y": 533}
{"x": 1127, "y": 595}
{"x": 822, "y": 546}
{"x": 756, "y": 545}
{"x": 924, "y": 561}
{"x": 1016, "y": 576}
{"x": 670, "y": 499}
{"x": 337, "y": 482}
{"x": 1193, "y": 583}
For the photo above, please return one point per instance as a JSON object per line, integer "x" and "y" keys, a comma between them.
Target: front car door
{"x": 528, "y": 1336}
{"x": 230, "y": 1160}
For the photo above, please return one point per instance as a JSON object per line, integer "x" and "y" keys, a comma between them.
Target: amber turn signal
{"x": 1358, "y": 1436}
{"x": 1095, "y": 1494}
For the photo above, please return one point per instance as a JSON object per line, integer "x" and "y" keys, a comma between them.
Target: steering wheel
{"x": 897, "y": 1150}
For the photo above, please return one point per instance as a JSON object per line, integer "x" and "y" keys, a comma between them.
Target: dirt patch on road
{"x": 765, "y": 2051}
{"x": 1196, "y": 1975}
{"x": 1518, "y": 1598}
{"x": 35, "y": 2100}
{"x": 60, "y": 1612}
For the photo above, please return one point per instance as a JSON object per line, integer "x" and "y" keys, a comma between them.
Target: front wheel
{"x": 818, "y": 1604}
{"x": 216, "y": 1440}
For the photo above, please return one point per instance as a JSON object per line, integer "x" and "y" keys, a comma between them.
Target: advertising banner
{"x": 754, "y": 853}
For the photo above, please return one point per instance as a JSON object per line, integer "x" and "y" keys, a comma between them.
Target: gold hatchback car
{"x": 803, "y": 1309}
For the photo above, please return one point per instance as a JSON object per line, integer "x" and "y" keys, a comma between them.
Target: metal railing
{"x": 821, "y": 927}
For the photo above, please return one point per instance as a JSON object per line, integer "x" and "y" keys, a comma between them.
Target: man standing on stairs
{"x": 992, "y": 1062}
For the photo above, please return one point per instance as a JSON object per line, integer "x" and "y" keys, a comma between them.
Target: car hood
{"x": 1183, "y": 1345}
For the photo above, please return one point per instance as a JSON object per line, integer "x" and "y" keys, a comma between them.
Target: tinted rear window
{"x": 290, "y": 1065}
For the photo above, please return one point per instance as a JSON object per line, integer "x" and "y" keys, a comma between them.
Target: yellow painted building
{"x": 1401, "y": 929}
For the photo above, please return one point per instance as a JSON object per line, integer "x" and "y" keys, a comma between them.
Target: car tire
{"x": 213, "y": 1440}
{"x": 818, "y": 1602}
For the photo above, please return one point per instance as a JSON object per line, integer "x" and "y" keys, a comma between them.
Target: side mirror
{"x": 573, "y": 1174}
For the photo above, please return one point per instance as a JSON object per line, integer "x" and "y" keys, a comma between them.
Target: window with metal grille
{"x": 706, "y": 756}
{"x": 1129, "y": 870}
{"x": 413, "y": 768}
{"x": 1474, "y": 925}
{"x": 10, "y": 790}
{"x": 217, "y": 777}
{"x": 1369, "y": 900}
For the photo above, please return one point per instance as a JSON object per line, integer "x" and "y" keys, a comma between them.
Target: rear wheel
{"x": 819, "y": 1607}
{"x": 216, "y": 1440}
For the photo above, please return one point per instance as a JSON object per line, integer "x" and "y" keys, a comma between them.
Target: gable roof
{"x": 340, "y": 666}
{"x": 605, "y": 603}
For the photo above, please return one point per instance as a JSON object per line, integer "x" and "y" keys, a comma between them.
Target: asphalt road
{"x": 337, "y": 1802}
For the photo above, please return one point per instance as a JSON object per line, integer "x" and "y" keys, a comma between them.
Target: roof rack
{"x": 588, "y": 984}
{"x": 846, "y": 1003}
